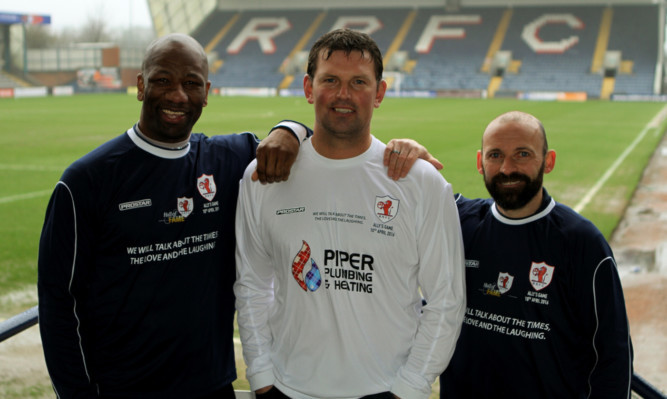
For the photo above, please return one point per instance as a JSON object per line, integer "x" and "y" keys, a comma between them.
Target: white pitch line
{"x": 34, "y": 194}
{"x": 31, "y": 168}
{"x": 655, "y": 122}
{"x": 27, "y": 168}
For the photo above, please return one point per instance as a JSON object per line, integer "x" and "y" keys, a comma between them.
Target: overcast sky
{"x": 74, "y": 13}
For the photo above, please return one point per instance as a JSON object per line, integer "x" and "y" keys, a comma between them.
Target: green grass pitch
{"x": 40, "y": 137}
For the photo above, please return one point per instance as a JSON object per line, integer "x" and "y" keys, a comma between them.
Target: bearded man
{"x": 545, "y": 313}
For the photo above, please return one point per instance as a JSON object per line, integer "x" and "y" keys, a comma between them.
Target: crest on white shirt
{"x": 540, "y": 275}
{"x": 386, "y": 208}
{"x": 184, "y": 206}
{"x": 505, "y": 281}
{"x": 206, "y": 186}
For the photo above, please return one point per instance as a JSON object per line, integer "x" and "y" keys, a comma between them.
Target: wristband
{"x": 297, "y": 129}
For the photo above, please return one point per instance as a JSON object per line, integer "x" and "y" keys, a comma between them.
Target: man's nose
{"x": 344, "y": 91}
{"x": 508, "y": 166}
{"x": 177, "y": 95}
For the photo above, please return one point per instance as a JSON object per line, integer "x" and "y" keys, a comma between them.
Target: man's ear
{"x": 480, "y": 166}
{"x": 549, "y": 161}
{"x": 308, "y": 88}
{"x": 140, "y": 86}
{"x": 379, "y": 96}
{"x": 208, "y": 87}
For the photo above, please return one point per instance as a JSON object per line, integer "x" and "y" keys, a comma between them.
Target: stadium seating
{"x": 634, "y": 33}
{"x": 551, "y": 48}
{"x": 248, "y": 64}
{"x": 454, "y": 63}
{"x": 566, "y": 71}
{"x": 7, "y": 81}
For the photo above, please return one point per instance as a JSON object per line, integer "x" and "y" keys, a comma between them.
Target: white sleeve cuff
{"x": 405, "y": 388}
{"x": 261, "y": 380}
{"x": 296, "y": 128}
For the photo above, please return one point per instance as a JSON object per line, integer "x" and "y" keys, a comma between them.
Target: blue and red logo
{"x": 313, "y": 278}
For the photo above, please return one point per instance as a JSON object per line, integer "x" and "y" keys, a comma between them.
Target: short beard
{"x": 513, "y": 199}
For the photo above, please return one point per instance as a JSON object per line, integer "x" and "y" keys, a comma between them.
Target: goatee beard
{"x": 514, "y": 198}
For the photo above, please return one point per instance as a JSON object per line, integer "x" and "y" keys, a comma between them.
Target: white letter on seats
{"x": 263, "y": 30}
{"x": 531, "y": 33}
{"x": 363, "y": 24}
{"x": 434, "y": 31}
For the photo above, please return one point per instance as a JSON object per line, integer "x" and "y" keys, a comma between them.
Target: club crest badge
{"x": 184, "y": 206}
{"x": 540, "y": 275}
{"x": 206, "y": 186}
{"x": 505, "y": 281}
{"x": 386, "y": 208}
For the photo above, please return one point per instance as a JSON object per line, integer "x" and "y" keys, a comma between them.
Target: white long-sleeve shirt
{"x": 331, "y": 269}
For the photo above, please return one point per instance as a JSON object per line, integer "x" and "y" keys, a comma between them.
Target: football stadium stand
{"x": 565, "y": 67}
{"x": 635, "y": 36}
{"x": 453, "y": 58}
{"x": 473, "y": 48}
{"x": 8, "y": 81}
{"x": 595, "y": 50}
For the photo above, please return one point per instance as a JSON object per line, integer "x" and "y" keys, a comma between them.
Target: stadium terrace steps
{"x": 454, "y": 63}
{"x": 9, "y": 81}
